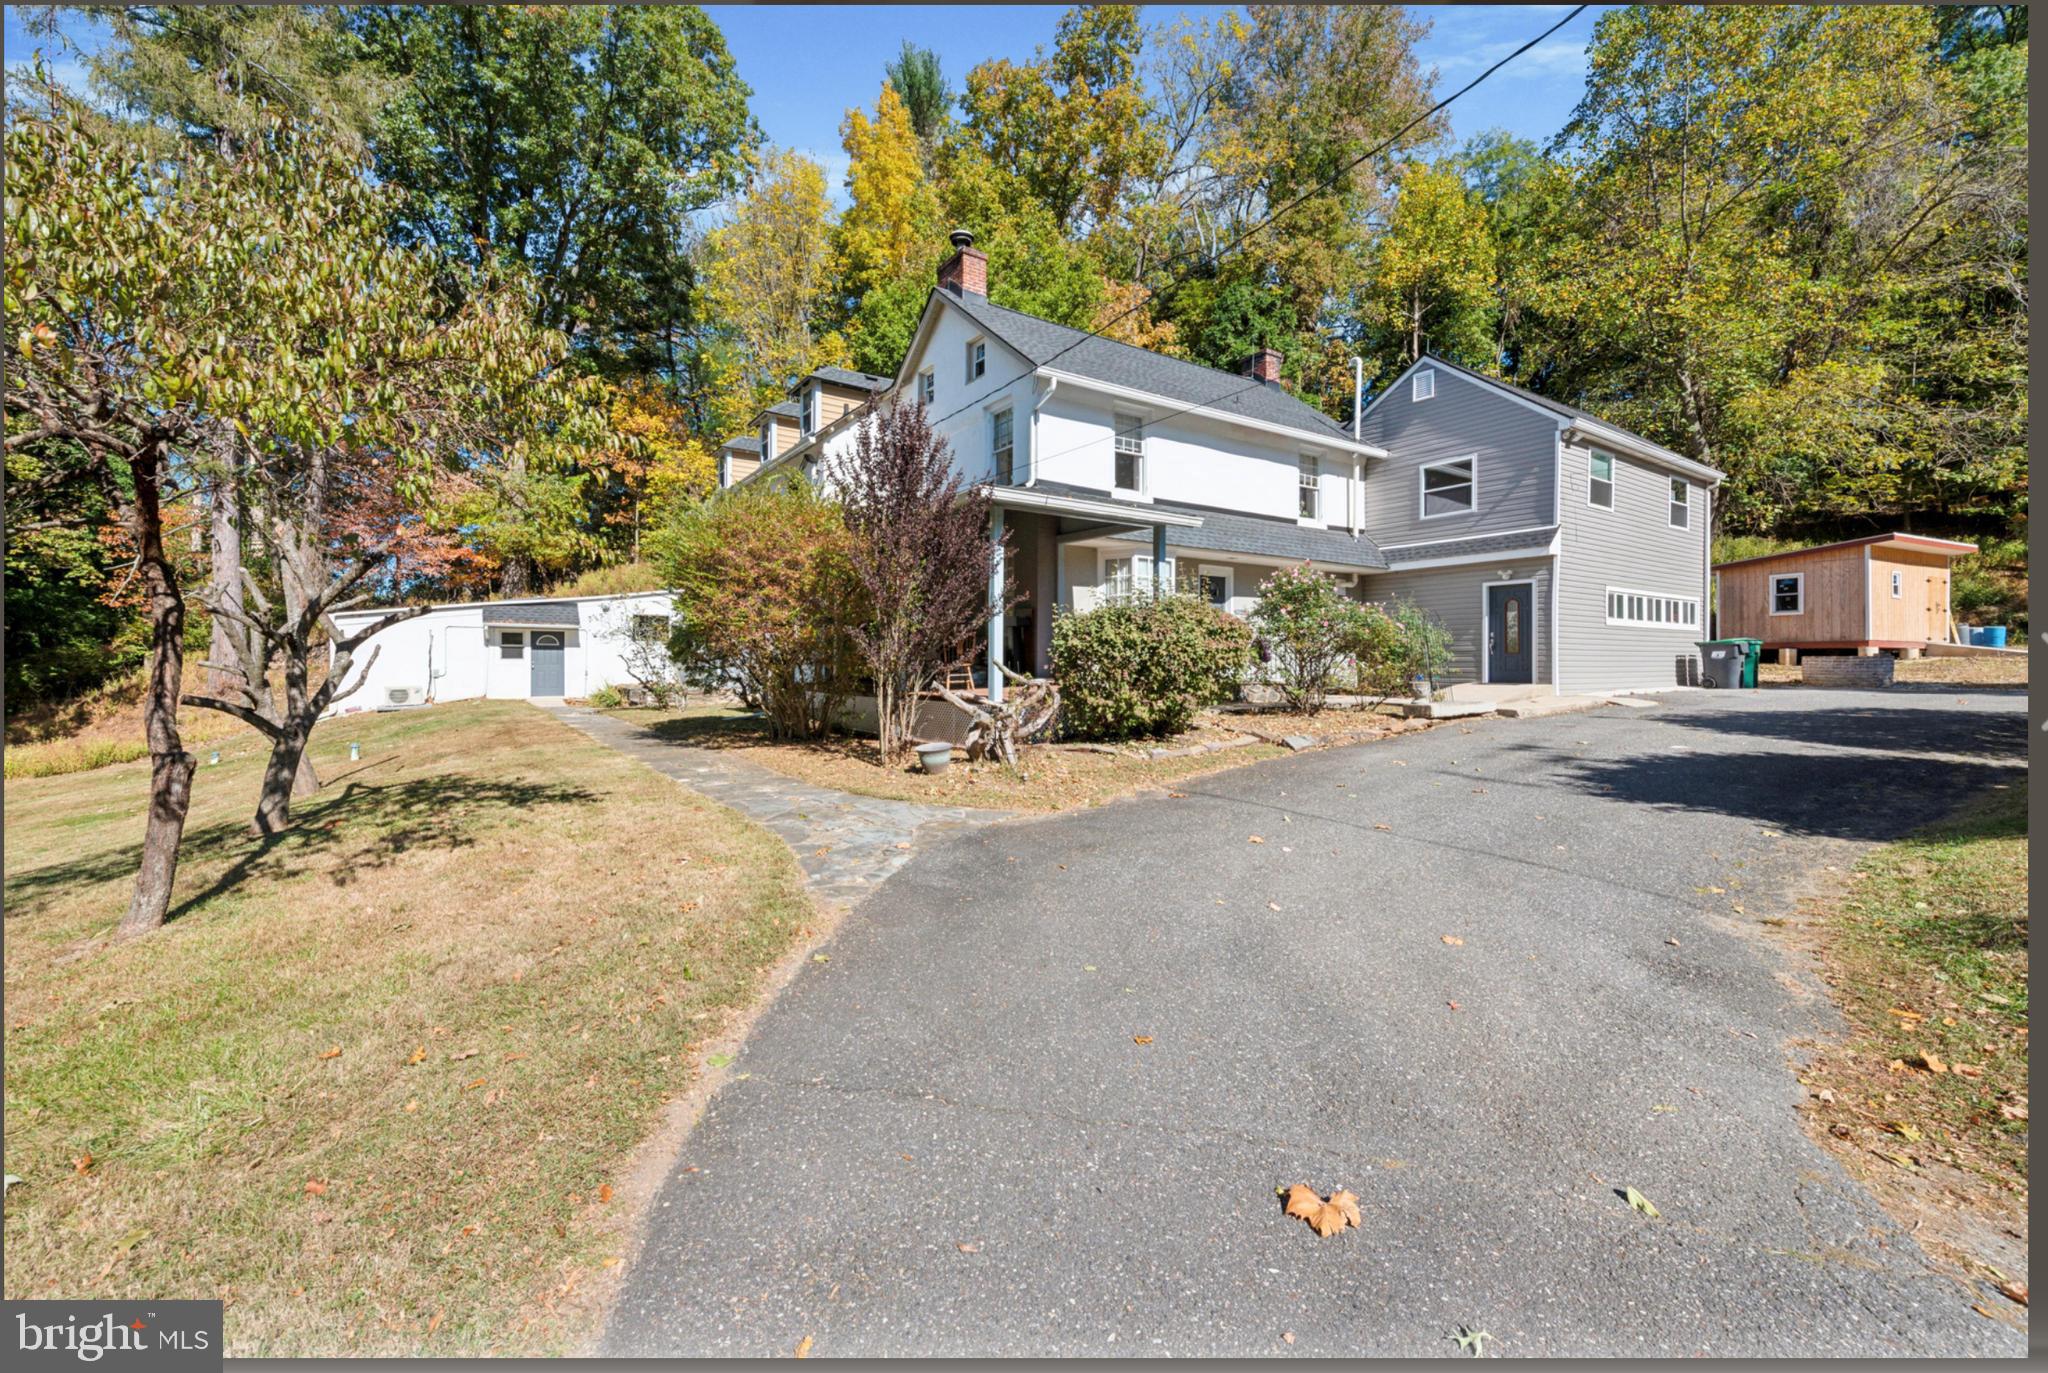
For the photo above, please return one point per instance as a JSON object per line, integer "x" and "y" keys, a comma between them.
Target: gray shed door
{"x": 547, "y": 663}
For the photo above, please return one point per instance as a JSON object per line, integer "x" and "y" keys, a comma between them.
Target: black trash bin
{"x": 1722, "y": 663}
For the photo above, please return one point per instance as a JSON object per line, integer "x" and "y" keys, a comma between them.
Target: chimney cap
{"x": 961, "y": 238}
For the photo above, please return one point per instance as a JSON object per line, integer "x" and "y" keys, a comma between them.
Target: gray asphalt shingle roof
{"x": 743, "y": 443}
{"x": 532, "y": 613}
{"x": 1224, "y": 531}
{"x": 1044, "y": 343}
{"x": 1477, "y": 546}
{"x": 846, "y": 376}
{"x": 1555, "y": 406}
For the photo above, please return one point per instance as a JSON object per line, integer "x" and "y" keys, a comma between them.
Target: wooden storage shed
{"x": 1889, "y": 591}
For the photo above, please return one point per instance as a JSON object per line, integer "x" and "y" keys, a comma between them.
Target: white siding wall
{"x": 967, "y": 432}
{"x": 452, "y": 653}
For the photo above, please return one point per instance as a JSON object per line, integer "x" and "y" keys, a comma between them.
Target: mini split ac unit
{"x": 398, "y": 698}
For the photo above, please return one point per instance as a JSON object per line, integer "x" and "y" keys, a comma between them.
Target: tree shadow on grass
{"x": 362, "y": 826}
{"x": 709, "y": 731}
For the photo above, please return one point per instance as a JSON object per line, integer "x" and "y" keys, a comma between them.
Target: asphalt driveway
{"x": 950, "y": 1141}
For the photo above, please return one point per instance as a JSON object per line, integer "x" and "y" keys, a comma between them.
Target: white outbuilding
{"x": 542, "y": 647}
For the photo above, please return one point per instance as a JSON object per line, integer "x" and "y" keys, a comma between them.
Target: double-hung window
{"x": 1600, "y": 489}
{"x": 977, "y": 360}
{"x": 1003, "y": 445}
{"x": 1681, "y": 504}
{"x": 927, "y": 386}
{"x": 1130, "y": 453}
{"x": 1310, "y": 483}
{"x": 1450, "y": 488}
{"x": 809, "y": 418}
{"x": 1788, "y": 593}
{"x": 1123, "y": 578}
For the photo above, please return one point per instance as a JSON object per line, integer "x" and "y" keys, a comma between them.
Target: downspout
{"x": 1357, "y": 499}
{"x": 1052, "y": 384}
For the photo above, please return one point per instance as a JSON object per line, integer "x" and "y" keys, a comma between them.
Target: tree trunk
{"x": 170, "y": 767}
{"x": 515, "y": 577}
{"x": 280, "y": 776}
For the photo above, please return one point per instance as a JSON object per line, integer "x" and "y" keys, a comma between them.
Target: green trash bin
{"x": 1728, "y": 663}
{"x": 1750, "y": 659}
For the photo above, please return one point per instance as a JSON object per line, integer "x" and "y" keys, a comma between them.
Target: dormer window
{"x": 1423, "y": 385}
{"x": 977, "y": 360}
{"x": 808, "y": 421}
{"x": 767, "y": 440}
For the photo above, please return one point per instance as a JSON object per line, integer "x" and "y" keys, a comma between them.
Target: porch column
{"x": 1159, "y": 582}
{"x": 995, "y": 605}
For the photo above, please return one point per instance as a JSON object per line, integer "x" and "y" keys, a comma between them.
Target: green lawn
{"x": 373, "y": 1083}
{"x": 1927, "y": 953}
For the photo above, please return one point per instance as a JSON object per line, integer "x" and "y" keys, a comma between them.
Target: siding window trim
{"x": 1595, "y": 482}
{"x": 1448, "y": 490}
{"x": 1632, "y": 609}
{"x": 1127, "y": 442}
{"x": 1798, "y": 592}
{"x": 1898, "y": 585}
{"x": 1679, "y": 514}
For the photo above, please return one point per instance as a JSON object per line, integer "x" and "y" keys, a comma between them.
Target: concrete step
{"x": 1549, "y": 705}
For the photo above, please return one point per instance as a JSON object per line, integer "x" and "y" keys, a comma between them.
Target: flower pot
{"x": 935, "y": 758}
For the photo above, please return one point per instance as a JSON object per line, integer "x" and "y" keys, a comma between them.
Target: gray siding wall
{"x": 1456, "y": 596}
{"x": 1516, "y": 446}
{"x": 1631, "y": 547}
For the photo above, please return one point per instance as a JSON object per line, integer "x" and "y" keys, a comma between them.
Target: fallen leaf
{"x": 130, "y": 1240}
{"x": 1256, "y": 840}
{"x": 459, "y": 1055}
{"x": 1287, "y": 1337}
{"x": 315, "y": 1188}
{"x": 1904, "y": 1131}
{"x": 82, "y": 1163}
{"x": 412, "y": 1105}
{"x": 1902, "y": 1160}
{"x": 803, "y": 1346}
{"x": 1326, "y": 1218}
{"x": 419, "y": 1055}
{"x": 1474, "y": 1340}
{"x": 1672, "y": 942}
{"x": 1452, "y": 939}
{"x": 1929, "y": 1062}
{"x": 1383, "y": 827}
{"x": 604, "y": 1192}
{"x": 1640, "y": 1202}
{"x": 1272, "y": 905}
{"x": 968, "y": 1248}
{"x": 717, "y": 1060}
{"x": 821, "y": 958}
{"x": 1141, "y": 1039}
{"x": 434, "y": 1322}
{"x": 334, "y": 1052}
{"x": 1967, "y": 1070}
{"x": 1453, "y": 1005}
{"x": 2017, "y": 1291}
{"x": 2012, "y": 1110}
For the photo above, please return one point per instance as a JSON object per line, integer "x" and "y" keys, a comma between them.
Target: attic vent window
{"x": 1424, "y": 385}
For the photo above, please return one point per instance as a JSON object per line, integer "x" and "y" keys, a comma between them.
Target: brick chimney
{"x": 1264, "y": 365}
{"x": 966, "y": 272}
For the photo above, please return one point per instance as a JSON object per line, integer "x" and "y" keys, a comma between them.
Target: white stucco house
{"x": 540, "y": 647}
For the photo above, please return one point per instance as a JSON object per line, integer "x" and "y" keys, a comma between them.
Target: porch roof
{"x": 1257, "y": 536}
{"x": 1054, "y": 498}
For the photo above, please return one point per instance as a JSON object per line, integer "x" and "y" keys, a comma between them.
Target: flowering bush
{"x": 1145, "y": 665}
{"x": 1311, "y": 629}
{"x": 1394, "y": 647}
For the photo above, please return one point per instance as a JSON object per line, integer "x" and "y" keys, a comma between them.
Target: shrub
{"x": 1311, "y": 628}
{"x": 607, "y": 698}
{"x": 765, "y": 599}
{"x": 1144, "y": 666}
{"x": 63, "y": 756}
{"x": 1394, "y": 647}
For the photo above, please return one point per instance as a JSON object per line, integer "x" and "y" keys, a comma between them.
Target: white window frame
{"x": 1486, "y": 628}
{"x": 1206, "y": 570}
{"x": 1140, "y": 573}
{"x": 1633, "y": 609}
{"x": 767, "y": 440}
{"x": 927, "y": 386}
{"x": 1680, "y": 499}
{"x": 1121, "y": 444}
{"x": 1898, "y": 585}
{"x": 977, "y": 360}
{"x": 511, "y": 643}
{"x": 1422, "y": 386}
{"x": 808, "y": 411}
{"x": 1308, "y": 478}
{"x": 1422, "y": 488}
{"x": 1594, "y": 480}
{"x": 995, "y": 469}
{"x": 1771, "y": 592}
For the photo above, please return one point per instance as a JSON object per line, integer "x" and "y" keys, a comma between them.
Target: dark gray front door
{"x": 1510, "y": 653}
{"x": 547, "y": 664}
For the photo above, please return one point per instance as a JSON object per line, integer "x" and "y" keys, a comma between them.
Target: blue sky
{"x": 808, "y": 64}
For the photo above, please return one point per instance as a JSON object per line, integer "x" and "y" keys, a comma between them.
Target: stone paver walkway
{"x": 848, "y": 845}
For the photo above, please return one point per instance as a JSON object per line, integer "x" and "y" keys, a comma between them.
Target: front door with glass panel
{"x": 1510, "y": 655}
